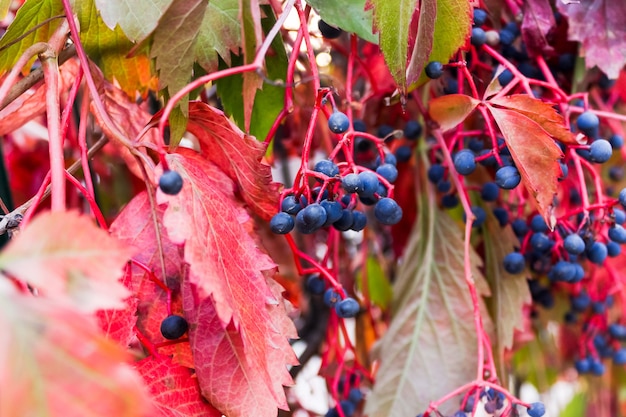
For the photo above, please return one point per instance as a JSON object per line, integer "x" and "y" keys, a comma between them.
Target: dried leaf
{"x": 599, "y": 26}
{"x": 238, "y": 155}
{"x": 137, "y": 18}
{"x": 431, "y": 344}
{"x": 54, "y": 362}
{"x": 536, "y": 156}
{"x": 538, "y": 21}
{"x": 81, "y": 267}
{"x": 450, "y": 110}
{"x": 541, "y": 112}
{"x": 174, "y": 388}
{"x": 227, "y": 274}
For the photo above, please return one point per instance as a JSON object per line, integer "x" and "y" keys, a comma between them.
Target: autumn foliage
{"x": 465, "y": 207}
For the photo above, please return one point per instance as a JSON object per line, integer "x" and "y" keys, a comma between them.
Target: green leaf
{"x": 4, "y": 8}
{"x": 452, "y": 30}
{"x": 109, "y": 49}
{"x": 536, "y": 362}
{"x": 137, "y": 18}
{"x": 393, "y": 20}
{"x": 577, "y": 407}
{"x": 269, "y": 100}
{"x": 378, "y": 286}
{"x": 349, "y": 15}
{"x": 174, "y": 44}
{"x": 220, "y": 33}
{"x": 509, "y": 292}
{"x": 31, "y": 14}
{"x": 423, "y": 41}
{"x": 431, "y": 345}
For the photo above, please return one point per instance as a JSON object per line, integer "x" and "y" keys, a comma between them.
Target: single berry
{"x": 383, "y": 131}
{"x": 502, "y": 215}
{"x": 352, "y": 183}
{"x": 281, "y": 223}
{"x": 387, "y": 211}
{"x": 597, "y": 253}
{"x": 290, "y": 205}
{"x": 490, "y": 191}
{"x": 583, "y": 366}
{"x": 444, "y": 186}
{"x": 355, "y": 396}
{"x": 171, "y": 182}
{"x": 506, "y": 37}
{"x": 347, "y": 308}
{"x": 617, "y": 331}
{"x": 412, "y": 130}
{"x": 475, "y": 145}
{"x": 505, "y": 77}
{"x": 514, "y": 263}
{"x": 616, "y": 173}
{"x": 479, "y": 37}
{"x": 403, "y": 153}
{"x": 541, "y": 242}
{"x": 508, "y": 177}
{"x": 465, "y": 162}
{"x": 310, "y": 218}
{"x": 581, "y": 302}
{"x": 449, "y": 201}
{"x": 538, "y": 224}
{"x": 347, "y": 407}
{"x": 619, "y": 357}
{"x": 588, "y": 123}
{"x": 619, "y": 216}
{"x": 574, "y": 244}
{"x": 613, "y": 249}
{"x": 600, "y": 151}
{"x": 369, "y": 181}
{"x": 536, "y": 410}
{"x": 389, "y": 159}
{"x": 617, "y": 234}
{"x": 328, "y": 31}
{"x": 345, "y": 222}
{"x": 333, "y": 211}
{"x": 173, "y": 327}
{"x": 479, "y": 216}
{"x": 520, "y": 228}
{"x": 359, "y": 220}
{"x": 315, "y": 284}
{"x": 597, "y": 368}
{"x": 434, "y": 70}
{"x": 359, "y": 125}
{"x": 436, "y": 172}
{"x": 338, "y": 122}
{"x": 480, "y": 17}
{"x": 622, "y": 197}
{"x": 327, "y": 168}
{"x": 388, "y": 172}
{"x": 616, "y": 141}
{"x": 563, "y": 271}
{"x": 331, "y": 297}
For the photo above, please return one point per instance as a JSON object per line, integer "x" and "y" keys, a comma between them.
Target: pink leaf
{"x": 538, "y": 21}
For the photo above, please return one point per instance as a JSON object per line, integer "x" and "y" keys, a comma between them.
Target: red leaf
{"x": 237, "y": 154}
{"x": 448, "y": 111}
{"x": 536, "y": 156}
{"x": 135, "y": 227}
{"x": 54, "y": 362}
{"x": 538, "y": 20}
{"x": 175, "y": 391}
{"x": 423, "y": 41}
{"x": 541, "y": 113}
{"x": 68, "y": 258}
{"x": 599, "y": 26}
{"x": 229, "y": 273}
{"x": 119, "y": 325}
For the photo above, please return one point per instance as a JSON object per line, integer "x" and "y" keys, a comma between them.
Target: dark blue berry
{"x": 310, "y": 218}
{"x": 347, "y": 407}
{"x": 315, "y": 285}
{"x": 597, "y": 368}
{"x": 352, "y": 183}
{"x": 359, "y": 221}
{"x": 563, "y": 271}
{"x": 622, "y": 197}
{"x": 508, "y": 177}
{"x": 434, "y": 69}
{"x": 600, "y": 151}
{"x": 465, "y": 162}
{"x": 173, "y": 327}
{"x": 347, "y": 308}
{"x": 281, "y": 223}
{"x": 479, "y": 216}
{"x": 345, "y": 222}
{"x": 505, "y": 77}
{"x": 449, "y": 201}
{"x": 538, "y": 224}
{"x": 536, "y": 410}
{"x": 574, "y": 244}
{"x": 619, "y": 357}
{"x": 338, "y": 122}
{"x": 617, "y": 331}
{"x": 388, "y": 172}
{"x": 514, "y": 263}
{"x": 327, "y": 168}
{"x": 616, "y": 141}
{"x": 389, "y": 159}
{"x": 581, "y": 302}
{"x": 490, "y": 191}
{"x": 355, "y": 396}
{"x": 480, "y": 17}
{"x": 403, "y": 153}
{"x": 436, "y": 172}
{"x": 412, "y": 130}
{"x": 597, "y": 253}
{"x": 588, "y": 123}
{"x": 333, "y": 211}
{"x": 384, "y": 131}
{"x": 369, "y": 181}
{"x": 506, "y": 37}
{"x": 171, "y": 182}
{"x": 331, "y": 297}
{"x": 359, "y": 125}
{"x": 583, "y": 366}
{"x": 328, "y": 31}
{"x": 541, "y": 242}
{"x": 520, "y": 228}
{"x": 502, "y": 215}
{"x": 479, "y": 37}
{"x": 444, "y": 186}
{"x": 387, "y": 211}
{"x": 613, "y": 249}
{"x": 290, "y": 205}
{"x": 616, "y": 173}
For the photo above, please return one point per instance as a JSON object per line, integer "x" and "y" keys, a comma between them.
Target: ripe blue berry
{"x": 617, "y": 234}
{"x": 281, "y": 223}
{"x": 388, "y": 172}
{"x": 506, "y": 37}
{"x": 538, "y": 224}
{"x": 600, "y": 151}
{"x": 328, "y": 31}
{"x": 347, "y": 308}
{"x": 588, "y": 123}
{"x": 536, "y": 410}
{"x": 327, "y": 168}
{"x": 387, "y": 211}
{"x": 574, "y": 244}
{"x": 619, "y": 357}
{"x": 616, "y": 141}
{"x": 616, "y": 173}
{"x": 520, "y": 228}
{"x": 505, "y": 77}
{"x": 403, "y": 153}
{"x": 359, "y": 220}
{"x": 502, "y": 215}
{"x": 434, "y": 70}
{"x": 583, "y": 366}
{"x": 581, "y": 302}
{"x": 338, "y": 122}
{"x": 290, "y": 205}
{"x": 171, "y": 182}
{"x": 563, "y": 271}
{"x": 444, "y": 186}
{"x": 597, "y": 368}
{"x": 389, "y": 159}
{"x": 622, "y": 197}
{"x": 347, "y": 407}
{"x": 435, "y": 173}
{"x": 333, "y": 211}
{"x": 315, "y": 285}
{"x": 310, "y": 218}
{"x": 480, "y": 17}
{"x": 331, "y": 297}
{"x": 369, "y": 181}
{"x": 613, "y": 249}
{"x": 345, "y": 222}
{"x": 355, "y": 396}
{"x": 508, "y": 177}
{"x": 541, "y": 242}
{"x": 173, "y": 327}
{"x": 412, "y": 130}
{"x": 617, "y": 331}
{"x": 352, "y": 183}
{"x": 384, "y": 131}
{"x": 619, "y": 216}
{"x": 449, "y": 201}
{"x": 514, "y": 263}
{"x": 490, "y": 191}
{"x": 597, "y": 253}
{"x": 465, "y": 162}
{"x": 479, "y": 37}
